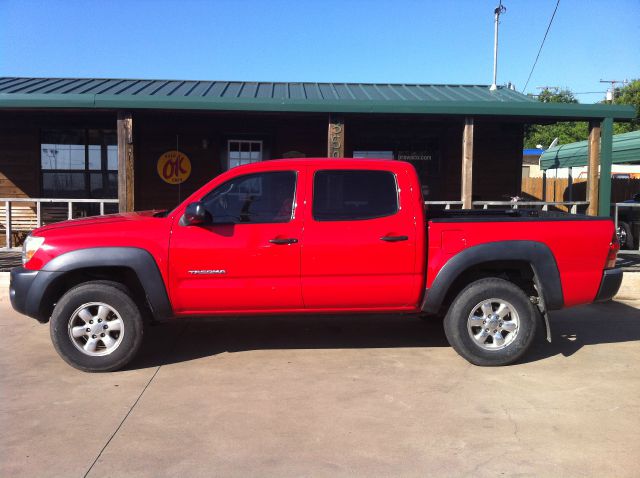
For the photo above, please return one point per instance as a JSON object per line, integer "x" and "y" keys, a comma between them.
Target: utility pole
{"x": 611, "y": 92}
{"x": 497, "y": 12}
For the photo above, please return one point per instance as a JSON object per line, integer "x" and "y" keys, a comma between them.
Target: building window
{"x": 79, "y": 164}
{"x": 373, "y": 154}
{"x": 244, "y": 152}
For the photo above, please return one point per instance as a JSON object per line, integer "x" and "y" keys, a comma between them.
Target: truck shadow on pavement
{"x": 183, "y": 340}
{"x": 572, "y": 329}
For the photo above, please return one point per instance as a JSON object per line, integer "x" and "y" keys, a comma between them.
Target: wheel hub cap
{"x": 493, "y": 324}
{"x": 96, "y": 329}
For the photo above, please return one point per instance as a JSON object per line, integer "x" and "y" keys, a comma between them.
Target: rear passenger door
{"x": 359, "y": 242}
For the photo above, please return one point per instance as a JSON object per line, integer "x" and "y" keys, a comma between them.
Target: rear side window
{"x": 343, "y": 195}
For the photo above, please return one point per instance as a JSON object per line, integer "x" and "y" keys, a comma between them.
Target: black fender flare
{"x": 537, "y": 254}
{"x": 140, "y": 261}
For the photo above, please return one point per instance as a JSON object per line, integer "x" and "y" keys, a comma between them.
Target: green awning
{"x": 626, "y": 149}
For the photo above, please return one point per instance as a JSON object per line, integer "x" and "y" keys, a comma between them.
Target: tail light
{"x": 612, "y": 255}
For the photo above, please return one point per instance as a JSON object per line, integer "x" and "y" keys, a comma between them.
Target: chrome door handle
{"x": 394, "y": 238}
{"x": 290, "y": 240}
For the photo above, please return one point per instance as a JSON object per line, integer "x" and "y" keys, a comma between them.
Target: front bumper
{"x": 27, "y": 289}
{"x": 610, "y": 284}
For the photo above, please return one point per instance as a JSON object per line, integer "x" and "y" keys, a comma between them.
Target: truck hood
{"x": 100, "y": 220}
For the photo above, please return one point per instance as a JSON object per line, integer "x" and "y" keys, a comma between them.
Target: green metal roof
{"x": 626, "y": 149}
{"x": 106, "y": 93}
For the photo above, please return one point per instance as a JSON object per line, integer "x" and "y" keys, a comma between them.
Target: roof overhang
{"x": 481, "y": 108}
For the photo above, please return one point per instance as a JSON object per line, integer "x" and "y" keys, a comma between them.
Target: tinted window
{"x": 351, "y": 195}
{"x": 253, "y": 198}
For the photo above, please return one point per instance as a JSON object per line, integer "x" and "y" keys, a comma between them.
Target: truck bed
{"x": 492, "y": 215}
{"x": 579, "y": 246}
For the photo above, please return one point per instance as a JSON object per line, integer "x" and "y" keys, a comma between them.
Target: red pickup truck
{"x": 312, "y": 236}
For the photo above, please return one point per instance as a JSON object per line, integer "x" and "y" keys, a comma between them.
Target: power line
{"x": 542, "y": 44}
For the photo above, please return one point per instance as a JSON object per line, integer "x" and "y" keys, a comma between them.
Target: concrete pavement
{"x": 364, "y": 396}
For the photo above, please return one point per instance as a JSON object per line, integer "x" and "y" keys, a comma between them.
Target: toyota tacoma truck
{"x": 312, "y": 236}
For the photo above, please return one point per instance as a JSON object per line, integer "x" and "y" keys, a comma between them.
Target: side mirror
{"x": 196, "y": 215}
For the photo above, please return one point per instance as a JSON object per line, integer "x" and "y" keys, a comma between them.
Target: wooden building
{"x": 150, "y": 143}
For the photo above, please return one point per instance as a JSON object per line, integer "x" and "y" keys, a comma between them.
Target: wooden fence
{"x": 558, "y": 189}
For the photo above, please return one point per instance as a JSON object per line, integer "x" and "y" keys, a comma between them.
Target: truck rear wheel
{"x": 491, "y": 322}
{"x": 97, "y": 327}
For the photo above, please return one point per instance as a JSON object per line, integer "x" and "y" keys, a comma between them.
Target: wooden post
{"x": 594, "y": 168}
{"x": 335, "y": 140}
{"x": 7, "y": 227}
{"x": 570, "y": 183}
{"x": 125, "y": 162}
{"x": 606, "y": 157}
{"x": 467, "y": 164}
{"x": 544, "y": 184}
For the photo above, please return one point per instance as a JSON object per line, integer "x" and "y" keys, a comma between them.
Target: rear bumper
{"x": 611, "y": 280}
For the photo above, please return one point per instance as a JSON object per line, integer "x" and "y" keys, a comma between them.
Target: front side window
{"x": 79, "y": 163}
{"x": 253, "y": 198}
{"x": 342, "y": 195}
{"x": 244, "y": 152}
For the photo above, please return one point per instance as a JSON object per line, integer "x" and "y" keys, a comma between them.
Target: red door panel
{"x": 348, "y": 264}
{"x": 237, "y": 267}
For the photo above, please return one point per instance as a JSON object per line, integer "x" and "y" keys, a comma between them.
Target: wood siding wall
{"x": 203, "y": 137}
{"x": 19, "y": 159}
{"x": 497, "y": 151}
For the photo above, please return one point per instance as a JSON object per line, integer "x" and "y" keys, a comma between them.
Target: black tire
{"x": 89, "y": 296}
{"x": 625, "y": 236}
{"x": 458, "y": 330}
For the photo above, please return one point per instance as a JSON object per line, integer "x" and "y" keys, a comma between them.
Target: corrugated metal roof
{"x": 108, "y": 93}
{"x": 626, "y": 149}
{"x": 242, "y": 89}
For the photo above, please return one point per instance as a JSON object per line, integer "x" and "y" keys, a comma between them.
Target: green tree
{"x": 628, "y": 95}
{"x": 566, "y": 131}
{"x": 562, "y": 96}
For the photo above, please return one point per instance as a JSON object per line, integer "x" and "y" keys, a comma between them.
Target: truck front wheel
{"x": 491, "y": 322}
{"x": 97, "y": 327}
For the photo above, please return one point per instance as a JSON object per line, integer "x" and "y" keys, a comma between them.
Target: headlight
{"x": 30, "y": 247}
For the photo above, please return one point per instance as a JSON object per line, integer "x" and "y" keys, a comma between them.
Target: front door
{"x": 248, "y": 258}
{"x": 359, "y": 242}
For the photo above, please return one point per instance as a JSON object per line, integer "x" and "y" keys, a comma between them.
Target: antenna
{"x": 500, "y": 9}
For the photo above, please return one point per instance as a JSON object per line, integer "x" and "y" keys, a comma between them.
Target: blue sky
{"x": 326, "y": 40}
